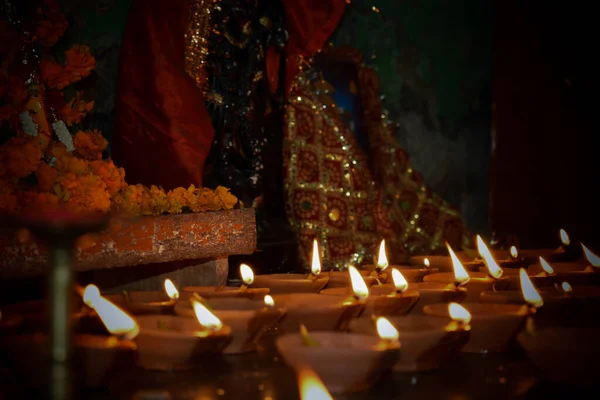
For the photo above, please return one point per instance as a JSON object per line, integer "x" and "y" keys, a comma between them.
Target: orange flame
{"x": 311, "y": 386}
{"x": 513, "y": 252}
{"x": 116, "y": 321}
{"x": 493, "y": 267}
{"x": 386, "y": 330}
{"x": 206, "y": 318}
{"x": 566, "y": 287}
{"x": 426, "y": 262}
{"x": 269, "y": 302}
{"x": 461, "y": 276}
{"x": 459, "y": 313}
{"x": 530, "y": 294}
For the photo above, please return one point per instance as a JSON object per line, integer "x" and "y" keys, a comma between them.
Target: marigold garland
{"x": 44, "y": 167}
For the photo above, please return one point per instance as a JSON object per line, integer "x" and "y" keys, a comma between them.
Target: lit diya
{"x": 443, "y": 263}
{"x": 379, "y": 300}
{"x": 546, "y": 277}
{"x": 247, "y": 319}
{"x": 346, "y": 362}
{"x": 511, "y": 260}
{"x": 311, "y": 387}
{"x": 410, "y": 272}
{"x": 427, "y": 342}
{"x": 314, "y": 282}
{"x": 244, "y": 291}
{"x": 563, "y": 354}
{"x": 372, "y": 274}
{"x": 474, "y": 282}
{"x": 586, "y": 273}
{"x": 493, "y": 324}
{"x": 147, "y": 302}
{"x": 96, "y": 358}
{"x": 564, "y": 253}
{"x": 436, "y": 292}
{"x": 167, "y": 342}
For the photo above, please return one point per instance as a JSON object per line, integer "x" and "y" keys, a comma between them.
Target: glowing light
{"x": 459, "y": 313}
{"x": 171, "y": 290}
{"x": 359, "y": 287}
{"x": 382, "y": 261}
{"x": 206, "y": 318}
{"x": 461, "y": 276}
{"x": 311, "y": 386}
{"x": 546, "y": 267}
{"x": 493, "y": 267}
{"x": 530, "y": 294}
{"x": 116, "y": 321}
{"x": 399, "y": 280}
{"x": 247, "y": 274}
{"x": 269, "y": 302}
{"x": 513, "y": 252}
{"x": 592, "y": 258}
{"x": 386, "y": 330}
{"x": 566, "y": 287}
{"x": 315, "y": 268}
{"x": 564, "y": 237}
{"x": 426, "y": 262}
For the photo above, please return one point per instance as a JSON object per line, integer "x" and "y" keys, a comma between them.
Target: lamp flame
{"x": 493, "y": 267}
{"x": 564, "y": 237}
{"x": 461, "y": 276}
{"x": 171, "y": 290}
{"x": 206, "y": 318}
{"x": 247, "y": 274}
{"x": 591, "y": 257}
{"x": 426, "y": 262}
{"x": 315, "y": 268}
{"x": 359, "y": 287}
{"x": 400, "y": 281}
{"x": 116, "y": 321}
{"x": 566, "y": 287}
{"x": 386, "y": 330}
{"x": 311, "y": 386}
{"x": 530, "y": 294}
{"x": 382, "y": 261}
{"x": 513, "y": 252}
{"x": 546, "y": 267}
{"x": 459, "y": 313}
{"x": 269, "y": 302}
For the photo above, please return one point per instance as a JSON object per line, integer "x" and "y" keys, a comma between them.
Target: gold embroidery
{"x": 197, "y": 41}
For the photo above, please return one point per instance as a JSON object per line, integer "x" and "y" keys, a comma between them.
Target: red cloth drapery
{"x": 163, "y": 131}
{"x": 309, "y": 23}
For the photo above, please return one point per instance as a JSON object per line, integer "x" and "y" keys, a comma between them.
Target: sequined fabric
{"x": 350, "y": 200}
{"x": 196, "y": 37}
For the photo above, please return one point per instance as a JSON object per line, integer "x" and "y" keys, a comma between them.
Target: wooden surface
{"x": 147, "y": 240}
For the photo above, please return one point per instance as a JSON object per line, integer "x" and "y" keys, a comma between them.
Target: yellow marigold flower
{"x": 225, "y": 199}
{"x": 113, "y": 177}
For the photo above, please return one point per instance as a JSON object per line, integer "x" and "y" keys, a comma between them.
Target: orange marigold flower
{"x": 89, "y": 144}
{"x": 46, "y": 176}
{"x": 179, "y": 198}
{"x": 204, "y": 200}
{"x": 129, "y": 199}
{"x": 54, "y": 74}
{"x": 21, "y": 156}
{"x": 84, "y": 193}
{"x": 79, "y": 61}
{"x": 69, "y": 163}
{"x": 75, "y": 110}
{"x": 57, "y": 150}
{"x": 113, "y": 177}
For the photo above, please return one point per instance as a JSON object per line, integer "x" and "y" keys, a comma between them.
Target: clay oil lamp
{"x": 563, "y": 354}
{"x": 314, "y": 282}
{"x": 570, "y": 305}
{"x": 147, "y": 302}
{"x": 316, "y": 312}
{"x": 512, "y": 261}
{"x": 167, "y": 342}
{"x": 586, "y": 273}
{"x": 248, "y": 319}
{"x": 494, "y": 324}
{"x": 96, "y": 357}
{"x": 244, "y": 291}
{"x": 472, "y": 282}
{"x": 443, "y": 263}
{"x": 427, "y": 342}
{"x": 379, "y": 300}
{"x": 346, "y": 362}
{"x": 411, "y": 273}
{"x": 566, "y": 252}
{"x": 436, "y": 292}
{"x": 545, "y": 276}
{"x": 311, "y": 387}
